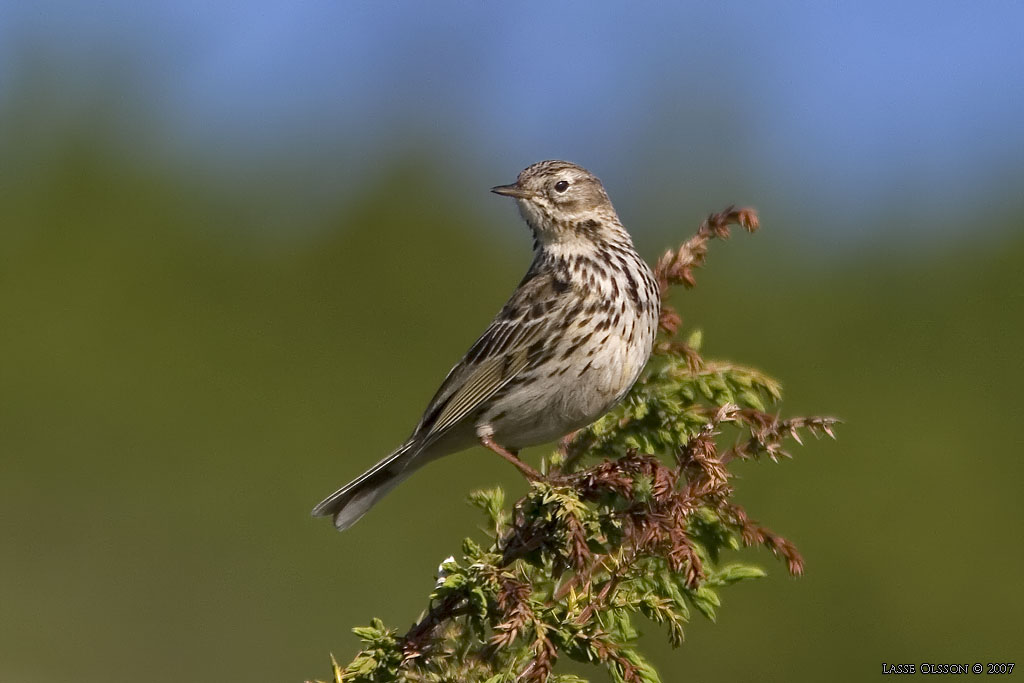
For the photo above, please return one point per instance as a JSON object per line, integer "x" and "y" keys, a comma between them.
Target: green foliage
{"x": 629, "y": 526}
{"x": 381, "y": 657}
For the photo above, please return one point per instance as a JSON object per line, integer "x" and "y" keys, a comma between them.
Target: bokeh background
{"x": 241, "y": 243}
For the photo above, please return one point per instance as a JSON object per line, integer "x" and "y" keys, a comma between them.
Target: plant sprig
{"x": 631, "y": 522}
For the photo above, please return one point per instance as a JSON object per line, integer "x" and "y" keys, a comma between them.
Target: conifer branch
{"x": 631, "y": 520}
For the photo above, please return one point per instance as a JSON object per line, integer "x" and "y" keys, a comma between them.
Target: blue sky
{"x": 855, "y": 102}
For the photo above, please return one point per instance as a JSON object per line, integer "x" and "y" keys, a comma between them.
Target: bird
{"x": 565, "y": 348}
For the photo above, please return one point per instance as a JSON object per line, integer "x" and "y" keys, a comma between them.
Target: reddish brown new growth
{"x": 676, "y": 267}
{"x": 544, "y": 655}
{"x": 694, "y": 361}
{"x": 755, "y": 534}
{"x": 578, "y": 551}
{"x": 416, "y": 640}
{"x": 514, "y": 603}
{"x": 513, "y": 600}
{"x": 608, "y": 651}
{"x": 653, "y": 527}
{"x": 620, "y": 476}
{"x": 706, "y": 472}
{"x": 669, "y": 321}
{"x": 768, "y": 431}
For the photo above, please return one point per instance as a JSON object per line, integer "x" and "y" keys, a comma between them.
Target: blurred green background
{"x": 216, "y": 309}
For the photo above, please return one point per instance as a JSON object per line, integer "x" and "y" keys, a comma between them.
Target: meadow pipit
{"x": 565, "y": 348}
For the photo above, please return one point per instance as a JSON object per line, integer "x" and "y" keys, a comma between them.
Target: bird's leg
{"x": 572, "y": 450}
{"x": 487, "y": 442}
{"x": 565, "y": 441}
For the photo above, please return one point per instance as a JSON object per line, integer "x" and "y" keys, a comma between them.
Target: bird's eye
{"x": 561, "y": 186}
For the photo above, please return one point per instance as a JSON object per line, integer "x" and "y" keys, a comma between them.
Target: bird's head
{"x": 563, "y": 202}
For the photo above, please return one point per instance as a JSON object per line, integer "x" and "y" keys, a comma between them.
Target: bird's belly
{"x": 563, "y": 395}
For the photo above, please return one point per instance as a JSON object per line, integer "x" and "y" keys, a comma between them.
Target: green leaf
{"x": 642, "y": 488}
{"x": 705, "y": 600}
{"x": 492, "y": 502}
{"x": 750, "y": 398}
{"x": 695, "y": 339}
{"x": 372, "y": 632}
{"x": 453, "y": 582}
{"x": 737, "y": 572}
{"x": 647, "y": 672}
{"x": 336, "y": 670}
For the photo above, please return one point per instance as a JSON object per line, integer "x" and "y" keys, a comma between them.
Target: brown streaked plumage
{"x": 566, "y": 347}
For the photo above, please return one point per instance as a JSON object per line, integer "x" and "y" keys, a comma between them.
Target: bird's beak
{"x": 512, "y": 191}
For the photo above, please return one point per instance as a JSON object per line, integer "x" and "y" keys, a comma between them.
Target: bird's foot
{"x": 487, "y": 442}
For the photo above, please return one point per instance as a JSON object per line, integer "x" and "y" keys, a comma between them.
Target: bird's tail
{"x": 352, "y": 500}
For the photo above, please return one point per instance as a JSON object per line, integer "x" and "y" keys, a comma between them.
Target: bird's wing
{"x": 518, "y": 335}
